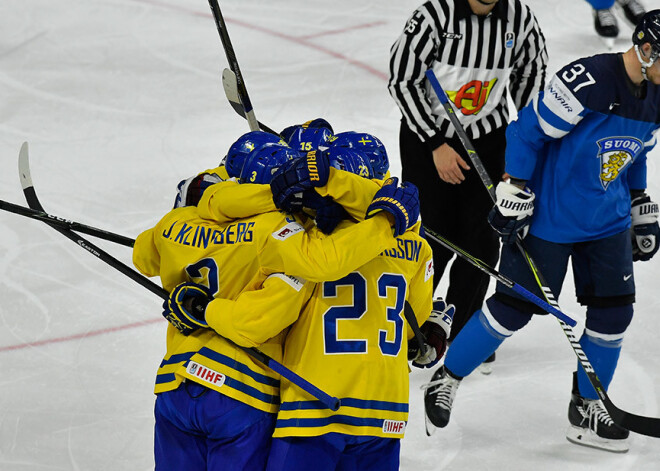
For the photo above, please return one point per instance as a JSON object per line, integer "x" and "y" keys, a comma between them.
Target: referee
{"x": 482, "y": 51}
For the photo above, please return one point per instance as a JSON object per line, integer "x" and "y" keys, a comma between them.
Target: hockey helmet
{"x": 648, "y": 31}
{"x": 350, "y": 160}
{"x": 261, "y": 163}
{"x": 370, "y": 145}
{"x": 243, "y": 146}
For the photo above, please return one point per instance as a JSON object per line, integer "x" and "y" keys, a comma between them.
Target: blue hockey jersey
{"x": 582, "y": 146}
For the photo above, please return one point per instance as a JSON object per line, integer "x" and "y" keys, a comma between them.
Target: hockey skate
{"x": 486, "y": 367}
{"x": 592, "y": 426}
{"x": 606, "y": 26}
{"x": 632, "y": 10}
{"x": 439, "y": 396}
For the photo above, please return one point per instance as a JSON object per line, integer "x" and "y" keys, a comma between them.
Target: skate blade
{"x": 609, "y": 42}
{"x": 430, "y": 428}
{"x": 485, "y": 368}
{"x": 587, "y": 437}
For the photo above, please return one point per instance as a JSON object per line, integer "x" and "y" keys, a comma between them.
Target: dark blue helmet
{"x": 261, "y": 163}
{"x": 307, "y": 139}
{"x": 245, "y": 144}
{"x": 648, "y": 30}
{"x": 350, "y": 160}
{"x": 318, "y": 123}
{"x": 370, "y": 145}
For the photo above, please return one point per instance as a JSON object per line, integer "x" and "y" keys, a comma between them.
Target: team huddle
{"x": 311, "y": 257}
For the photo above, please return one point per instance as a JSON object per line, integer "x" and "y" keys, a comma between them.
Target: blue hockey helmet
{"x": 306, "y": 139}
{"x": 245, "y": 144}
{"x": 318, "y": 123}
{"x": 648, "y": 31}
{"x": 261, "y": 163}
{"x": 350, "y": 160}
{"x": 370, "y": 145}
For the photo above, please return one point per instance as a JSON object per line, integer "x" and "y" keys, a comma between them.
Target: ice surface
{"x": 121, "y": 99}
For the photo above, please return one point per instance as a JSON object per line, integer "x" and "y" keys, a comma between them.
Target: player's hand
{"x": 645, "y": 229}
{"x": 292, "y": 179}
{"x": 436, "y": 331}
{"x": 329, "y": 213}
{"x": 449, "y": 164}
{"x": 402, "y": 202}
{"x": 186, "y": 306}
{"x": 511, "y": 214}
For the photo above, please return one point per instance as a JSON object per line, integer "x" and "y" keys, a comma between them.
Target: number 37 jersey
{"x": 351, "y": 340}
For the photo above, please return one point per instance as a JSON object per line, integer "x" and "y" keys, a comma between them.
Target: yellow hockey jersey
{"x": 351, "y": 339}
{"x": 239, "y": 256}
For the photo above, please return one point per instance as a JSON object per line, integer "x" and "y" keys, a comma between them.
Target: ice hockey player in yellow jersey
{"x": 215, "y": 405}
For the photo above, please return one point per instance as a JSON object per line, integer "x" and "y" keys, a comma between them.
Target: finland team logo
{"x": 615, "y": 154}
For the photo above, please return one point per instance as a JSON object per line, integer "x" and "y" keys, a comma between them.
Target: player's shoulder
{"x": 592, "y": 79}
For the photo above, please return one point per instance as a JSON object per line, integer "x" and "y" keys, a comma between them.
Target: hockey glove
{"x": 511, "y": 214}
{"x": 185, "y": 307}
{"x": 645, "y": 229}
{"x": 400, "y": 201}
{"x": 436, "y": 331}
{"x": 329, "y": 213}
{"x": 190, "y": 191}
{"x": 298, "y": 175}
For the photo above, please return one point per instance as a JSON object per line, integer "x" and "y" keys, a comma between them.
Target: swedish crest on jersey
{"x": 615, "y": 154}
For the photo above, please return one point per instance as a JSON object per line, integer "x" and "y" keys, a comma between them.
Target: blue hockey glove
{"x": 185, "y": 307}
{"x": 400, "y": 201}
{"x": 298, "y": 175}
{"x": 190, "y": 191}
{"x": 511, "y": 214}
{"x": 645, "y": 229}
{"x": 436, "y": 331}
{"x": 329, "y": 213}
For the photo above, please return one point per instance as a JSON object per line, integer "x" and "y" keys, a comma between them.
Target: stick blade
{"x": 24, "y": 166}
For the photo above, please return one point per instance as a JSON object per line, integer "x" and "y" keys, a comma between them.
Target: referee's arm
{"x": 528, "y": 75}
{"x": 410, "y": 56}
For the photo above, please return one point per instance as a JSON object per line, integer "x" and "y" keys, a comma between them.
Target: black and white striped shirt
{"x": 479, "y": 60}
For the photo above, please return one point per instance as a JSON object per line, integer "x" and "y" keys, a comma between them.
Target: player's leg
{"x": 503, "y": 314}
{"x": 177, "y": 443}
{"x": 605, "y": 284}
{"x": 370, "y": 454}
{"x": 320, "y": 453}
{"x": 238, "y": 435}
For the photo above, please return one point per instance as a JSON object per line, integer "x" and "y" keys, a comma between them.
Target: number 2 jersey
{"x": 238, "y": 256}
{"x": 582, "y": 145}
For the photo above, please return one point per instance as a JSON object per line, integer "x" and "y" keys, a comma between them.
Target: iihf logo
{"x": 615, "y": 154}
{"x": 509, "y": 39}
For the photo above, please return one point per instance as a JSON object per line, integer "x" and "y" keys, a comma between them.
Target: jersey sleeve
{"x": 145, "y": 254}
{"x": 410, "y": 57}
{"x": 353, "y": 192}
{"x": 255, "y": 316}
{"x": 316, "y": 257}
{"x": 420, "y": 294}
{"x": 226, "y": 201}
{"x": 552, "y": 114}
{"x": 528, "y": 74}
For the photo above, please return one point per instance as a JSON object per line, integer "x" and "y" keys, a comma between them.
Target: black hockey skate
{"x": 632, "y": 10}
{"x": 439, "y": 396}
{"x": 606, "y": 26}
{"x": 592, "y": 426}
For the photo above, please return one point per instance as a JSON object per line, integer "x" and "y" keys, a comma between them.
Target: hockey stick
{"x": 230, "y": 85}
{"x": 332, "y": 403}
{"x": 233, "y": 64}
{"x": 66, "y": 224}
{"x": 635, "y": 423}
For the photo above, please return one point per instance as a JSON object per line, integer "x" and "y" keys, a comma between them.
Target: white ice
{"x": 119, "y": 100}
